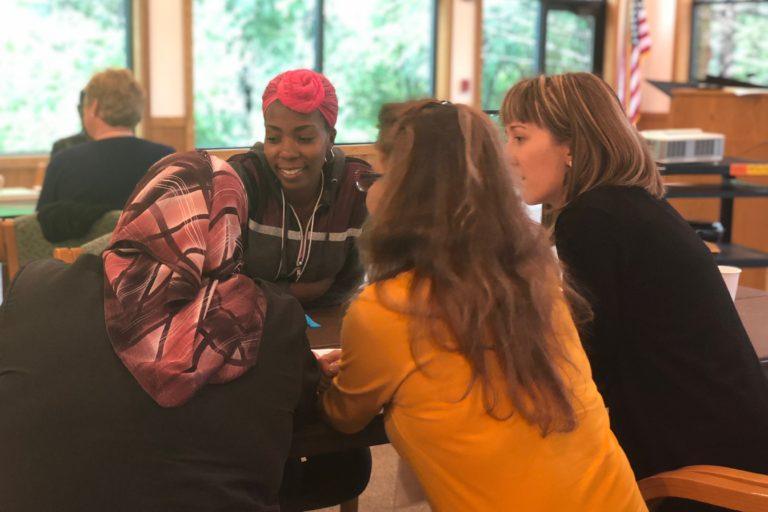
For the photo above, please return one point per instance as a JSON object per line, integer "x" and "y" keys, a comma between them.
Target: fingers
{"x": 329, "y": 363}
{"x": 332, "y": 356}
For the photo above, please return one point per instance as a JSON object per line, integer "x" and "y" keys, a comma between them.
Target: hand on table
{"x": 329, "y": 367}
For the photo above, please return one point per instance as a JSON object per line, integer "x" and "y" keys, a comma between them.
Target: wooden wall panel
{"x": 168, "y": 130}
{"x": 653, "y": 121}
{"x": 683, "y": 26}
{"x": 23, "y": 171}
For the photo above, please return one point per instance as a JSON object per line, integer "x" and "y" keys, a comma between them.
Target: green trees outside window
{"x": 729, "y": 40}
{"x": 523, "y": 38}
{"x": 48, "y": 51}
{"x": 373, "y": 51}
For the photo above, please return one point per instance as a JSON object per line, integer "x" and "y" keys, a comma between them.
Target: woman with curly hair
{"x": 463, "y": 335}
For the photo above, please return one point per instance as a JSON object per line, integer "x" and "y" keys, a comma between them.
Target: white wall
{"x": 166, "y": 58}
{"x": 658, "y": 63}
{"x": 463, "y": 56}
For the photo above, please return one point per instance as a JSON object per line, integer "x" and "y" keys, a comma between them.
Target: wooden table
{"x": 318, "y": 437}
{"x": 328, "y": 335}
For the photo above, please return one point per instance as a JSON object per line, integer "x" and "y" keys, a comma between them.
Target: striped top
{"x": 274, "y": 234}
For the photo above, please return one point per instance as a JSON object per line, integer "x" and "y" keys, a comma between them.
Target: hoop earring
{"x": 330, "y": 150}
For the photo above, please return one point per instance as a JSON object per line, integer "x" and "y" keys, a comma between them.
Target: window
{"x": 523, "y": 38}
{"x": 374, "y": 52}
{"x": 50, "y": 49}
{"x": 729, "y": 40}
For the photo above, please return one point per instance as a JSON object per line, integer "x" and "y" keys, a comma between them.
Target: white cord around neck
{"x": 305, "y": 235}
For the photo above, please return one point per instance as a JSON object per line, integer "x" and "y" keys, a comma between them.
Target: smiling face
{"x": 539, "y": 161}
{"x": 295, "y": 147}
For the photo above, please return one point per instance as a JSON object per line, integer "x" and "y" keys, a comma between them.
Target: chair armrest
{"x": 716, "y": 485}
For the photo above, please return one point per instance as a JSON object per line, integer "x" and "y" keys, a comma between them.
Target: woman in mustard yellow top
{"x": 463, "y": 336}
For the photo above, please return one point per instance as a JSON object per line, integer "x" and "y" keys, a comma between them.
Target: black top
{"x": 77, "y": 432}
{"x": 103, "y": 172}
{"x": 71, "y": 141}
{"x": 668, "y": 351}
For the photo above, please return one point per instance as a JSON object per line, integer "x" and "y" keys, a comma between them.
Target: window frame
{"x": 130, "y": 60}
{"x": 695, "y": 4}
{"x": 130, "y": 27}
{"x": 320, "y": 41}
{"x": 319, "y": 60}
{"x": 596, "y": 8}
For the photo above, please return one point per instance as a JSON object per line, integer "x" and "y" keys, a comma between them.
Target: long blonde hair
{"x": 451, "y": 215}
{"x": 582, "y": 110}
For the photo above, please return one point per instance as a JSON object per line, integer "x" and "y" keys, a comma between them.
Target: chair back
{"x": 70, "y": 254}
{"x": 25, "y": 241}
{"x": 40, "y": 174}
{"x": 67, "y": 254}
{"x": 730, "y": 488}
{"x": 3, "y": 263}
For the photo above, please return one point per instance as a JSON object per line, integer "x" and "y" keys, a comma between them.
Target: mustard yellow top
{"x": 465, "y": 459}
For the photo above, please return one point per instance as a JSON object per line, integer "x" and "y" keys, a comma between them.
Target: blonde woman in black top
{"x": 667, "y": 347}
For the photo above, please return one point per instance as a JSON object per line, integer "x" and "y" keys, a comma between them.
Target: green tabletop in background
{"x": 16, "y": 209}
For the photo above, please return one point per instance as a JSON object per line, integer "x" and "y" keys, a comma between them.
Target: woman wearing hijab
{"x": 160, "y": 377}
{"x": 305, "y": 210}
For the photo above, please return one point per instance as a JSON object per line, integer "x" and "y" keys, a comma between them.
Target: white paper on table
{"x": 320, "y": 352}
{"x": 746, "y": 91}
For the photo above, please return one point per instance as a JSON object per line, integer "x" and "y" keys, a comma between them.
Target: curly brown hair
{"x": 450, "y": 214}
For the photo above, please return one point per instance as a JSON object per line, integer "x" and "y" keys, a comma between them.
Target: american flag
{"x": 631, "y": 52}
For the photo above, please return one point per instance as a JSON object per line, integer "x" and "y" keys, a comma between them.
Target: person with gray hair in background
{"x": 104, "y": 171}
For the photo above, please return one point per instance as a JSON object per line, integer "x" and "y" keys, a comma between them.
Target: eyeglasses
{"x": 364, "y": 179}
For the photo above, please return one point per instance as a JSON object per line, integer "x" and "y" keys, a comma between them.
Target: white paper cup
{"x": 731, "y": 278}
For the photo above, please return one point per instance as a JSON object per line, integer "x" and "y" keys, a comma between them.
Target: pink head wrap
{"x": 303, "y": 91}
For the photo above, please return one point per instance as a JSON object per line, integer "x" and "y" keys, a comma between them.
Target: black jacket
{"x": 668, "y": 351}
{"x": 77, "y": 433}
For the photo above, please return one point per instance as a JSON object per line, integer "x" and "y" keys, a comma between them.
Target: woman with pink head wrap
{"x": 305, "y": 209}
{"x": 305, "y": 214}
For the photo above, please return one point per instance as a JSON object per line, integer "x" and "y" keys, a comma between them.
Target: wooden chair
{"x": 3, "y": 264}
{"x": 24, "y": 240}
{"x": 10, "y": 248}
{"x": 40, "y": 174}
{"x": 67, "y": 254}
{"x": 715, "y": 485}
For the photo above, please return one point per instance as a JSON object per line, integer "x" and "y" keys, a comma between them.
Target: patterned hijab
{"x": 179, "y": 314}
